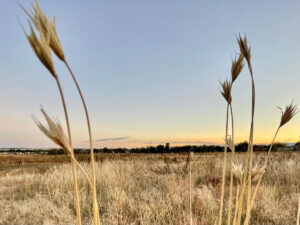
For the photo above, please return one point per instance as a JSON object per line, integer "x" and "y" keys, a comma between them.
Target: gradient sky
{"x": 150, "y": 70}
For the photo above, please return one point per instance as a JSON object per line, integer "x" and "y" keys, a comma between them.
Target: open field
{"x": 139, "y": 189}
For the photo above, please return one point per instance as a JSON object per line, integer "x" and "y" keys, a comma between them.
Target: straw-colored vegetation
{"x": 200, "y": 190}
{"x": 145, "y": 190}
{"x": 43, "y": 46}
{"x": 247, "y": 175}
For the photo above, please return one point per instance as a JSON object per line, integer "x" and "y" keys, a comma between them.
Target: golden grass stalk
{"x": 225, "y": 87}
{"x": 190, "y": 187}
{"x": 39, "y": 19}
{"x": 96, "y": 217}
{"x": 231, "y": 146}
{"x": 76, "y": 193}
{"x": 236, "y": 205}
{"x": 245, "y": 51}
{"x": 54, "y": 131}
{"x": 298, "y": 213}
{"x": 286, "y": 116}
{"x": 236, "y": 68}
{"x": 41, "y": 48}
{"x": 230, "y": 198}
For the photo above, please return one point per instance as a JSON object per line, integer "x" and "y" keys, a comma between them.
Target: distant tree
{"x": 167, "y": 147}
{"x": 242, "y": 147}
{"x": 160, "y": 149}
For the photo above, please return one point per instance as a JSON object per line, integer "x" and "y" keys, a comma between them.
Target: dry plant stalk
{"x": 298, "y": 212}
{"x": 49, "y": 40}
{"x": 47, "y": 27}
{"x": 245, "y": 175}
{"x": 54, "y": 131}
{"x": 42, "y": 50}
{"x": 223, "y": 173}
{"x": 190, "y": 160}
{"x": 232, "y": 148}
{"x": 286, "y": 116}
{"x": 236, "y": 68}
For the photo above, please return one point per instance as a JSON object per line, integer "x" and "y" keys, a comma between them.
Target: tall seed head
{"x": 226, "y": 90}
{"x": 244, "y": 48}
{"x": 286, "y": 115}
{"x": 237, "y": 170}
{"x": 257, "y": 172}
{"x": 54, "y": 131}
{"x": 237, "y": 67}
{"x": 55, "y": 43}
{"x": 41, "y": 48}
{"x": 46, "y": 26}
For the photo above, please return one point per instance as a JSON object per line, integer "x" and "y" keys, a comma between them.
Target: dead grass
{"x": 142, "y": 189}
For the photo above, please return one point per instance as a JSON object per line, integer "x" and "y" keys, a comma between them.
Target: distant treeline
{"x": 241, "y": 147}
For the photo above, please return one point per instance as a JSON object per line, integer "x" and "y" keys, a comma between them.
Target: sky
{"x": 150, "y": 71}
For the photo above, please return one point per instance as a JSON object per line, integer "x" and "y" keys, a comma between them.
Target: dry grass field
{"x": 139, "y": 189}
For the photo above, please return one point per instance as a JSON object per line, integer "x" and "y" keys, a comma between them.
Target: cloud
{"x": 112, "y": 139}
{"x": 182, "y": 142}
{"x": 189, "y": 142}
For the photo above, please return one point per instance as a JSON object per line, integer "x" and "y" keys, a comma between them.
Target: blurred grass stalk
{"x": 49, "y": 40}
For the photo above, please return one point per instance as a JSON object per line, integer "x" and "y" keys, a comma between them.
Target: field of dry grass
{"x": 139, "y": 189}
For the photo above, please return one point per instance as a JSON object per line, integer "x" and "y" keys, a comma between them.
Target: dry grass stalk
{"x": 245, "y": 177}
{"x": 236, "y": 69}
{"x": 190, "y": 160}
{"x": 54, "y": 131}
{"x": 245, "y": 51}
{"x": 230, "y": 198}
{"x": 236, "y": 205}
{"x": 41, "y": 48}
{"x": 234, "y": 74}
{"x": 298, "y": 212}
{"x": 46, "y": 26}
{"x": 286, "y": 116}
{"x": 224, "y": 162}
{"x": 95, "y": 203}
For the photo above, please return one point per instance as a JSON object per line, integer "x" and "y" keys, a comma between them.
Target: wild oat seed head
{"x": 41, "y": 48}
{"x": 288, "y": 113}
{"x": 226, "y": 90}
{"x": 257, "y": 172}
{"x": 54, "y": 131}
{"x": 46, "y": 26}
{"x": 244, "y": 48}
{"x": 238, "y": 171}
{"x": 237, "y": 67}
{"x": 55, "y": 43}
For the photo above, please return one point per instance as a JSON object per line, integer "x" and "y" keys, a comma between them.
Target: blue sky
{"x": 150, "y": 70}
